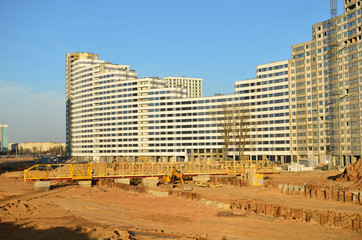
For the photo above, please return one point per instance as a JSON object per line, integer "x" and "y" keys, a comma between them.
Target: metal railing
{"x": 145, "y": 169}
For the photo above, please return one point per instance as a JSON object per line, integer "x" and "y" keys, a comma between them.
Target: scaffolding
{"x": 334, "y": 87}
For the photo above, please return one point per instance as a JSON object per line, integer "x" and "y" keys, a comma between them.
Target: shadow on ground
{"x": 333, "y": 177}
{"x": 15, "y": 166}
{"x": 13, "y": 231}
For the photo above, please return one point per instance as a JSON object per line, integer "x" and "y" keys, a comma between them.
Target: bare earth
{"x": 318, "y": 177}
{"x": 72, "y": 212}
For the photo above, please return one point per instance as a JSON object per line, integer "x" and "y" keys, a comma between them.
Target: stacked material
{"x": 150, "y": 181}
{"x": 298, "y": 168}
{"x": 201, "y": 179}
{"x": 123, "y": 180}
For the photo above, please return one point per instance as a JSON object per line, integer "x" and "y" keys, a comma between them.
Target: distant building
{"x": 193, "y": 85}
{"x": 4, "y": 137}
{"x": 39, "y": 148}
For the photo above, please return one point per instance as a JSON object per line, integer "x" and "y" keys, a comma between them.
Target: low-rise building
{"x": 39, "y": 148}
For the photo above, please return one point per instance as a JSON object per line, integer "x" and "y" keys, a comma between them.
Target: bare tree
{"x": 224, "y": 123}
{"x": 232, "y": 122}
{"x": 241, "y": 127}
{"x": 25, "y": 151}
{"x": 62, "y": 150}
{"x": 55, "y": 150}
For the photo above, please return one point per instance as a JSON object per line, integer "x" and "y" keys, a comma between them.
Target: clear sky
{"x": 219, "y": 41}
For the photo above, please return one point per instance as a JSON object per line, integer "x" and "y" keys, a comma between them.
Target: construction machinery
{"x": 174, "y": 178}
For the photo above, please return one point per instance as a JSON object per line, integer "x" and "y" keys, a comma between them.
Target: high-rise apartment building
{"x": 113, "y": 115}
{"x": 304, "y": 109}
{"x": 85, "y": 77}
{"x": 4, "y": 137}
{"x": 193, "y": 85}
{"x": 268, "y": 96}
{"x": 326, "y": 90}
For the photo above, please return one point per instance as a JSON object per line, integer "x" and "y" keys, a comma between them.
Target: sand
{"x": 72, "y": 212}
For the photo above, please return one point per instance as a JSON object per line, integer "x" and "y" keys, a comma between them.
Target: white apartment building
{"x": 193, "y": 85}
{"x": 112, "y": 115}
{"x": 268, "y": 96}
{"x": 304, "y": 109}
{"x": 82, "y": 90}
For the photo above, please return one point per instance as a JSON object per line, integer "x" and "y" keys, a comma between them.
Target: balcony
{"x": 350, "y": 5}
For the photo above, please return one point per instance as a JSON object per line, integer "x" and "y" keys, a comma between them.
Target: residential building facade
{"x": 268, "y": 96}
{"x": 305, "y": 109}
{"x": 193, "y": 85}
{"x": 326, "y": 91}
{"x": 114, "y": 116}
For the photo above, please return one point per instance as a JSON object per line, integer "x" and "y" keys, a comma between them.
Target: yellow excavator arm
{"x": 175, "y": 177}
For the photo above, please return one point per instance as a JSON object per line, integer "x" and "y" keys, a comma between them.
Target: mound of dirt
{"x": 352, "y": 173}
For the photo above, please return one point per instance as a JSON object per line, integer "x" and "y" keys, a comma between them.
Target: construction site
{"x": 146, "y": 157}
{"x": 187, "y": 200}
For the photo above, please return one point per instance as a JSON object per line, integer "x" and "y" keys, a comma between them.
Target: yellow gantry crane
{"x": 77, "y": 171}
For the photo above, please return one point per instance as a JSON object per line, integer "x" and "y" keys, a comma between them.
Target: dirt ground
{"x": 310, "y": 177}
{"x": 12, "y": 160}
{"x": 72, "y": 212}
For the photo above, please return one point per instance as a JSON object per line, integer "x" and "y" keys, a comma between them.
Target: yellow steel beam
{"x": 143, "y": 169}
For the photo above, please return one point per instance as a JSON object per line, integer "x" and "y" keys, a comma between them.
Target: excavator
{"x": 175, "y": 177}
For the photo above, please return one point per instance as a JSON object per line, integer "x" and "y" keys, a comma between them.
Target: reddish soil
{"x": 353, "y": 173}
{"x": 72, "y": 212}
{"x": 310, "y": 177}
{"x": 324, "y": 178}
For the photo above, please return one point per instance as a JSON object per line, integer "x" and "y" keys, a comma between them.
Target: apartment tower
{"x": 4, "y": 137}
{"x": 326, "y": 91}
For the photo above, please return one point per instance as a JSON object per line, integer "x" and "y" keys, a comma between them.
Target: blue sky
{"x": 219, "y": 41}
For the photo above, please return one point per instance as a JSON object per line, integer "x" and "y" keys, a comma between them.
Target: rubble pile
{"x": 352, "y": 173}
